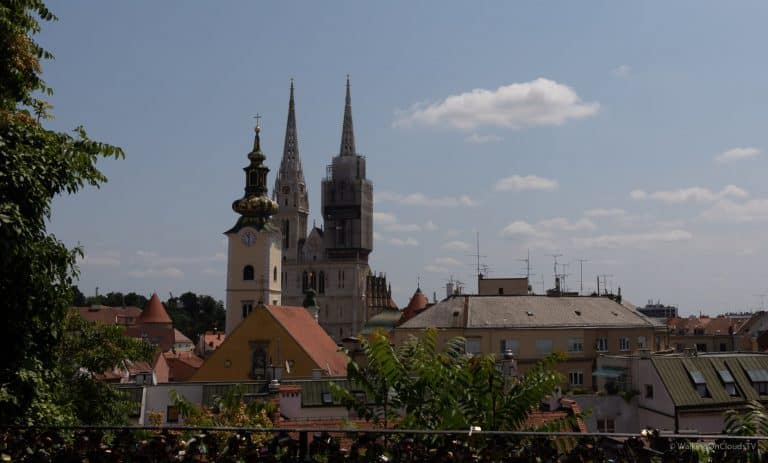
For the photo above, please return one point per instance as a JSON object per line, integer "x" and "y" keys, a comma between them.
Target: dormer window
{"x": 699, "y": 382}
{"x": 759, "y": 380}
{"x": 728, "y": 383}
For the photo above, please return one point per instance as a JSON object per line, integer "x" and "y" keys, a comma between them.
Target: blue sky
{"x": 630, "y": 134}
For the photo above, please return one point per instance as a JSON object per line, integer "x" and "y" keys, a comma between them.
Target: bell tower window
{"x": 248, "y": 272}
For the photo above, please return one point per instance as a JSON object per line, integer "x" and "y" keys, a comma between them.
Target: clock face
{"x": 248, "y": 237}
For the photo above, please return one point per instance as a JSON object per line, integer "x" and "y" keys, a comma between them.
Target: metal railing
{"x": 183, "y": 443}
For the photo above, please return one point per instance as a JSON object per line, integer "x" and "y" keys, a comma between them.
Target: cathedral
{"x": 274, "y": 259}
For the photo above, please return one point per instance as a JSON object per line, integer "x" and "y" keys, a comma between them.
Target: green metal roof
{"x": 385, "y": 320}
{"x": 678, "y": 373}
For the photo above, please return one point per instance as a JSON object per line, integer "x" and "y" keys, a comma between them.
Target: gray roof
{"x": 680, "y": 374}
{"x": 528, "y": 312}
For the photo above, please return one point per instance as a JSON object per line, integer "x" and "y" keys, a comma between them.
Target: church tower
{"x": 347, "y": 199}
{"x": 290, "y": 192}
{"x": 254, "y": 251}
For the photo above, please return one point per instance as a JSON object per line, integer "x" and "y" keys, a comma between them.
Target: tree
{"x": 38, "y": 270}
{"x": 194, "y": 314}
{"x": 78, "y": 298}
{"x": 415, "y": 386}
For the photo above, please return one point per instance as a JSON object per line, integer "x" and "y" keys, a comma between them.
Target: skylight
{"x": 697, "y": 377}
{"x": 726, "y": 376}
{"x": 758, "y": 376}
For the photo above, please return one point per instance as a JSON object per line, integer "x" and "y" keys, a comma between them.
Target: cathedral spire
{"x": 347, "y": 131}
{"x": 290, "y": 165}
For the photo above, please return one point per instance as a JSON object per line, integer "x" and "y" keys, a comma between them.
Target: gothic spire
{"x": 290, "y": 165}
{"x": 347, "y": 131}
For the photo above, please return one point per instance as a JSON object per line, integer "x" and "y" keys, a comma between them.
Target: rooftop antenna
{"x": 581, "y": 274}
{"x": 565, "y": 273}
{"x": 543, "y": 289}
{"x": 605, "y": 283}
{"x": 527, "y": 261}
{"x": 477, "y": 257}
{"x": 554, "y": 257}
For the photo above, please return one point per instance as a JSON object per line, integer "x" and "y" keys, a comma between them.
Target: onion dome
{"x": 255, "y": 207}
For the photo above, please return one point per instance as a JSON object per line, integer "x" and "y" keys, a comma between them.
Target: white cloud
{"x": 408, "y": 242}
{"x": 431, "y": 268}
{"x": 447, "y": 262}
{"x": 109, "y": 258}
{"x": 457, "y": 246}
{"x": 692, "y": 194}
{"x": 541, "y": 102}
{"x": 166, "y": 272}
{"x": 390, "y": 223}
{"x": 482, "y": 139}
{"x": 633, "y": 239}
{"x": 153, "y": 260}
{"x": 755, "y": 210}
{"x": 595, "y": 213}
{"x": 518, "y": 228}
{"x": 737, "y": 154}
{"x": 419, "y": 199}
{"x": 528, "y": 182}
{"x": 561, "y": 223}
{"x": 622, "y": 71}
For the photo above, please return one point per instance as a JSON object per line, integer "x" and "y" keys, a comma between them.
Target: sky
{"x": 627, "y": 135}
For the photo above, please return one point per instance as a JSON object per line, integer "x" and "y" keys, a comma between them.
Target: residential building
{"x": 708, "y": 334}
{"x": 676, "y": 392}
{"x": 274, "y": 342}
{"x": 532, "y": 327}
{"x": 658, "y": 310}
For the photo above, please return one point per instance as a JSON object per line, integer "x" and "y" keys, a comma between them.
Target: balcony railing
{"x": 117, "y": 443}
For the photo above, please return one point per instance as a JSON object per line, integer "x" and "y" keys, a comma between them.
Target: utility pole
{"x": 581, "y": 274}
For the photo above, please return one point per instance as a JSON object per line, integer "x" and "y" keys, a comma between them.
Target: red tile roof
{"x": 182, "y": 365}
{"x": 311, "y": 337}
{"x": 213, "y": 339}
{"x": 416, "y": 305}
{"x": 154, "y": 312}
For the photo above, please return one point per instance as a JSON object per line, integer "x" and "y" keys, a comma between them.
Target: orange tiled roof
{"x": 416, "y": 305}
{"x": 154, "y": 312}
{"x": 213, "y": 339}
{"x": 182, "y": 365}
{"x": 311, "y": 337}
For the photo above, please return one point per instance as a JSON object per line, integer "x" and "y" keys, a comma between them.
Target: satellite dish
{"x": 287, "y": 367}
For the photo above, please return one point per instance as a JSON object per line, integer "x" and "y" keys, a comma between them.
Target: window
{"x": 248, "y": 272}
{"x": 602, "y": 344}
{"x": 543, "y": 346}
{"x": 723, "y": 347}
{"x": 624, "y": 344}
{"x": 172, "y": 414}
{"x": 575, "y": 345}
{"x": 606, "y": 425}
{"x": 472, "y": 346}
{"x": 576, "y": 378}
{"x": 649, "y": 391}
{"x": 274, "y": 274}
{"x": 286, "y": 234}
{"x": 728, "y": 383}
{"x": 312, "y": 280}
{"x": 759, "y": 380}
{"x": 501, "y": 291}
{"x": 701, "y": 347}
{"x": 321, "y": 283}
{"x": 641, "y": 343}
{"x": 247, "y": 307}
{"x": 304, "y": 281}
{"x": 327, "y": 398}
{"x": 699, "y": 382}
{"x": 512, "y": 345}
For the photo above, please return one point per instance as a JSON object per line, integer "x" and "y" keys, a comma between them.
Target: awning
{"x": 609, "y": 372}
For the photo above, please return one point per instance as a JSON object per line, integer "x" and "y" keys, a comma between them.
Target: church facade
{"x": 331, "y": 260}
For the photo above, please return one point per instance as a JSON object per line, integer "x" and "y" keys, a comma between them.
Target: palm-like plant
{"x": 750, "y": 422}
{"x": 417, "y": 386}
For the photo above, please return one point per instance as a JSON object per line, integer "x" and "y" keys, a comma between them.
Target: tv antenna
{"x": 477, "y": 257}
{"x": 581, "y": 274}
{"x": 605, "y": 283}
{"x": 527, "y": 261}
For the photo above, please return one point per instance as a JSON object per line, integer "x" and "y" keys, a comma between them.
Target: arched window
{"x": 274, "y": 273}
{"x": 312, "y": 280}
{"x": 248, "y": 272}
{"x": 321, "y": 283}
{"x": 304, "y": 281}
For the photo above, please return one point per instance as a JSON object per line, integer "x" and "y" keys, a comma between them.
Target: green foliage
{"x": 194, "y": 314}
{"x": 37, "y": 270}
{"x": 415, "y": 386}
